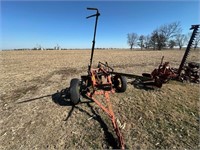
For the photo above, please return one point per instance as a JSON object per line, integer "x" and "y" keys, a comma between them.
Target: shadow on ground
{"x": 62, "y": 98}
{"x": 145, "y": 86}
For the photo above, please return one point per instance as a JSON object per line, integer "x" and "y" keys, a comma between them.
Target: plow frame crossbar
{"x": 94, "y": 72}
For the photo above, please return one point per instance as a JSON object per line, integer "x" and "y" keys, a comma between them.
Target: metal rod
{"x": 142, "y": 78}
{"x": 95, "y": 28}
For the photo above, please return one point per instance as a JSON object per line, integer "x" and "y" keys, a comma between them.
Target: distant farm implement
{"x": 164, "y": 73}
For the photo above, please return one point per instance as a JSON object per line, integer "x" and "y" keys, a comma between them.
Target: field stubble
{"x": 163, "y": 119}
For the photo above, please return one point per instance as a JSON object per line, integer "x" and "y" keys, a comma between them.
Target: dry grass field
{"x": 166, "y": 118}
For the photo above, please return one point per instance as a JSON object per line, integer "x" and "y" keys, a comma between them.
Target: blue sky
{"x": 27, "y": 23}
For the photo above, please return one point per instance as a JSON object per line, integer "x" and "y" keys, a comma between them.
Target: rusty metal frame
{"x": 107, "y": 109}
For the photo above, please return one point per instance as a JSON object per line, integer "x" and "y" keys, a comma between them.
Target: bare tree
{"x": 197, "y": 40}
{"x": 172, "y": 43}
{"x": 153, "y": 40}
{"x": 132, "y": 39}
{"x": 171, "y": 30}
{"x": 147, "y": 41}
{"x": 158, "y": 40}
{"x": 180, "y": 40}
{"x": 141, "y": 41}
{"x": 161, "y": 41}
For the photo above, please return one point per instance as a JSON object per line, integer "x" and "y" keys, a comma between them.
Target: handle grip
{"x": 92, "y": 8}
{"x": 95, "y": 15}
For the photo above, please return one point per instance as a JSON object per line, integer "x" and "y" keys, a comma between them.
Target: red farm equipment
{"x": 165, "y": 73}
{"x": 99, "y": 81}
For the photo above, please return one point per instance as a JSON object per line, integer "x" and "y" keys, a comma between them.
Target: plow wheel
{"x": 74, "y": 91}
{"x": 120, "y": 83}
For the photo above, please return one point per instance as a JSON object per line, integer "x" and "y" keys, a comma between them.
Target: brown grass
{"x": 155, "y": 119}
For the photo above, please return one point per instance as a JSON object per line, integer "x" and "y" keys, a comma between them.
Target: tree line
{"x": 165, "y": 36}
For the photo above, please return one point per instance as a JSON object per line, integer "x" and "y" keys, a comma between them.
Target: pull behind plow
{"x": 99, "y": 81}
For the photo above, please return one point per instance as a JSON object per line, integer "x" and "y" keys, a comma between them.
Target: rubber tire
{"x": 75, "y": 91}
{"x": 123, "y": 81}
